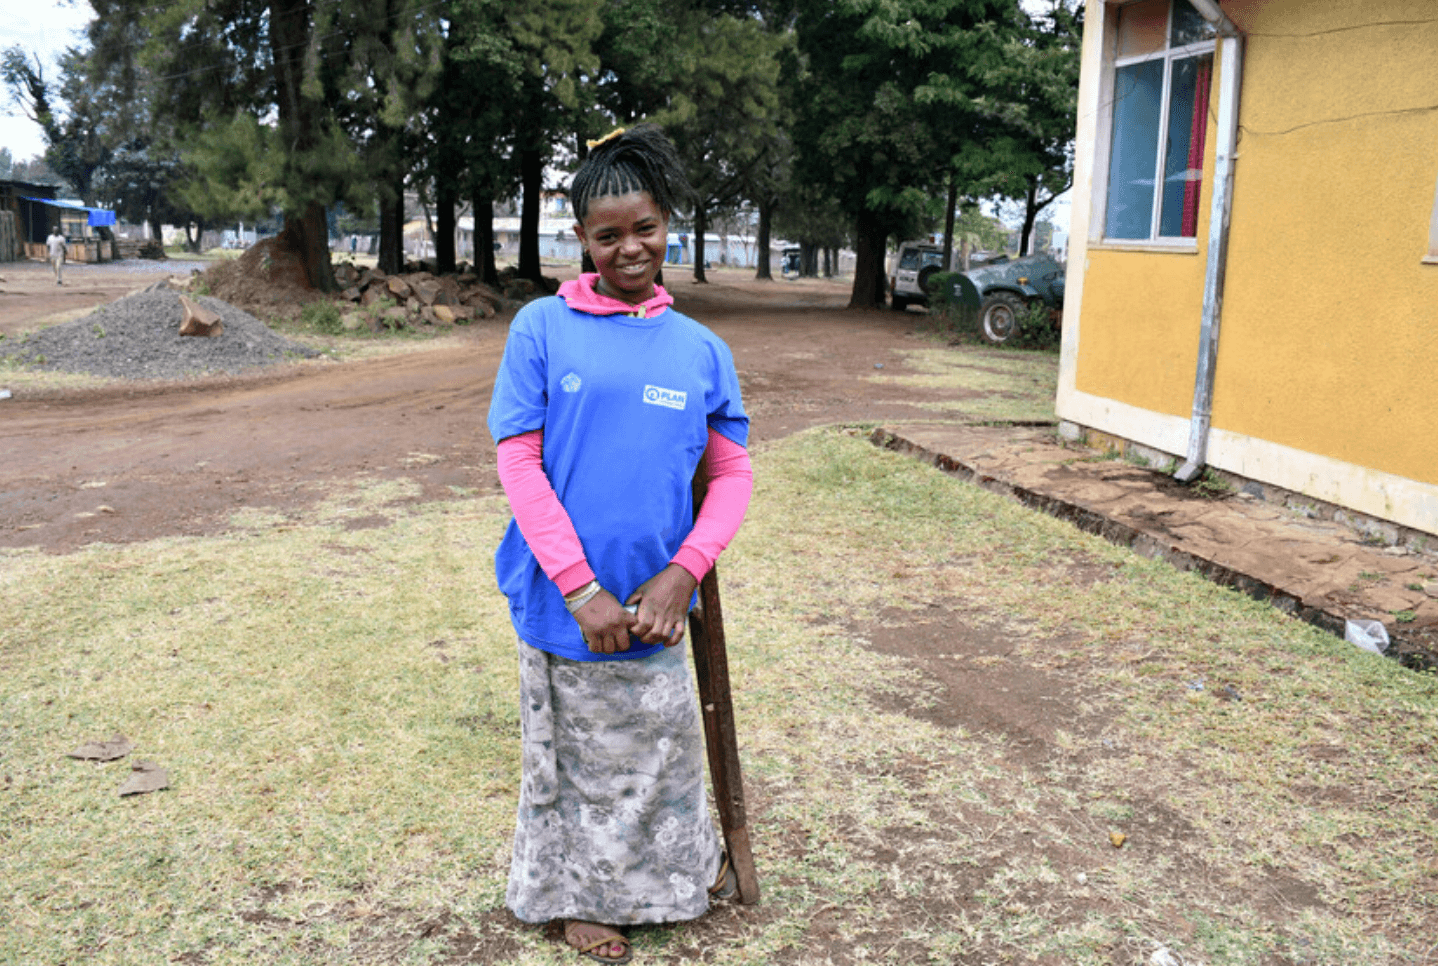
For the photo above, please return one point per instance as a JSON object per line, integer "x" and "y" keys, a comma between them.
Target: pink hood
{"x": 581, "y": 295}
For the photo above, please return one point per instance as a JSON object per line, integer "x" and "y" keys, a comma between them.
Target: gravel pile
{"x": 138, "y": 337}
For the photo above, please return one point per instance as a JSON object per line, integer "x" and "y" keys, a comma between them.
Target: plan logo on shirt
{"x": 570, "y": 383}
{"x": 671, "y": 398}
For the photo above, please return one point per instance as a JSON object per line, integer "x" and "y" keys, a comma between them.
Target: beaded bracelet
{"x": 582, "y": 596}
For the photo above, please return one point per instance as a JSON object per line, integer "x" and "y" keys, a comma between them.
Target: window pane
{"x": 1189, "y": 27}
{"x": 1137, "y": 93}
{"x": 1183, "y": 159}
{"x": 1142, "y": 27}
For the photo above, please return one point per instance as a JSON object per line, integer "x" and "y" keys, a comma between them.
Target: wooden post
{"x": 711, "y": 671}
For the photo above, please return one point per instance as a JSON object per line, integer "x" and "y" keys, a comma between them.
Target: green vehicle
{"x": 1004, "y": 289}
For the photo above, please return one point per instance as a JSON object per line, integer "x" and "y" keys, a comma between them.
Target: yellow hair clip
{"x": 606, "y": 139}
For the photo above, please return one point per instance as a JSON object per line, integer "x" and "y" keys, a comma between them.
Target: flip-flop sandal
{"x": 588, "y": 950}
{"x": 726, "y": 884}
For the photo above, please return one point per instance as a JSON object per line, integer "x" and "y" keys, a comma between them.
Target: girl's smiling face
{"x": 626, "y": 236}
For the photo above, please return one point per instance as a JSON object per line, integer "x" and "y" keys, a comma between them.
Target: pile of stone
{"x": 139, "y": 248}
{"x": 419, "y": 297}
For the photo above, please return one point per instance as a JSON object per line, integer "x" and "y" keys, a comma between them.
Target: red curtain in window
{"x": 1196, "y": 137}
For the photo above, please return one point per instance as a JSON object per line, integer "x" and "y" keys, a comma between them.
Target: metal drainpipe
{"x": 1230, "y": 79}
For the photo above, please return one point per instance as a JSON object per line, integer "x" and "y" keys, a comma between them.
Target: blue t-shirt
{"x": 626, "y": 405}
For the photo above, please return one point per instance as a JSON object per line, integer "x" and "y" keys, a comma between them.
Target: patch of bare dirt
{"x": 129, "y": 463}
{"x": 986, "y": 685}
{"x": 983, "y": 680}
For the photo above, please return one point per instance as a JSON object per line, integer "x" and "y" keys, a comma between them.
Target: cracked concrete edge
{"x": 1139, "y": 541}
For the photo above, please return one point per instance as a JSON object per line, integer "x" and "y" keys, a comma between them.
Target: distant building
{"x": 37, "y": 210}
{"x": 23, "y": 221}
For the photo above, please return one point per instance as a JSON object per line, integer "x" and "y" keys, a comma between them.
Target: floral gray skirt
{"x": 613, "y": 823}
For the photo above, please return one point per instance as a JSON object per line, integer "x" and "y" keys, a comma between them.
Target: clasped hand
{"x": 663, "y": 609}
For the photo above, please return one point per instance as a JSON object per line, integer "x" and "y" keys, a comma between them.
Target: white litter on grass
{"x": 1368, "y": 635}
{"x": 1163, "y": 956}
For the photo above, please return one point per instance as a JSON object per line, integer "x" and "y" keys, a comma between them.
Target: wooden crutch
{"x": 711, "y": 671}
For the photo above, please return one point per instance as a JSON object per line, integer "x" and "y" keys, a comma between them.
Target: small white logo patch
{"x": 672, "y": 398}
{"x": 570, "y": 383}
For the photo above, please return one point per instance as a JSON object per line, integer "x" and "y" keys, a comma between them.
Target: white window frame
{"x": 1432, "y": 257}
{"x": 1103, "y": 142}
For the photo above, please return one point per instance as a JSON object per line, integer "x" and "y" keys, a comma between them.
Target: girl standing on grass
{"x": 605, "y": 404}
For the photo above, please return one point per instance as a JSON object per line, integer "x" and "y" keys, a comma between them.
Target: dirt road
{"x": 136, "y": 461}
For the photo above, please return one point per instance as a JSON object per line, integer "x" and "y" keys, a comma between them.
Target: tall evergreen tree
{"x": 554, "y": 41}
{"x": 474, "y": 110}
{"x": 889, "y": 92}
{"x": 1042, "y": 85}
{"x": 766, "y": 187}
{"x": 272, "y": 89}
{"x": 723, "y": 109}
{"x": 388, "y": 65}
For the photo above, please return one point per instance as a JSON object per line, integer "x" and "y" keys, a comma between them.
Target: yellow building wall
{"x": 1329, "y": 341}
{"x": 1329, "y": 334}
{"x": 1140, "y": 329}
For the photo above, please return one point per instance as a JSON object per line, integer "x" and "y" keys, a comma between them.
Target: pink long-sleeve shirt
{"x": 550, "y": 533}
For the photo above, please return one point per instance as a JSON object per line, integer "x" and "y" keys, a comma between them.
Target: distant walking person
{"x": 56, "y": 245}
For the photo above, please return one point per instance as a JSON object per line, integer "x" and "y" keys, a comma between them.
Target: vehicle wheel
{"x": 926, "y": 278}
{"x": 999, "y": 317}
{"x": 899, "y": 303}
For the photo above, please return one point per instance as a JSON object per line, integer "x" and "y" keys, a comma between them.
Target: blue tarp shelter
{"x": 99, "y": 217}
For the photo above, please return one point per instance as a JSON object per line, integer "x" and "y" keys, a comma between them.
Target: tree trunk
{"x": 531, "y": 176}
{"x": 1031, "y": 214}
{"x": 701, "y": 225}
{"x": 444, "y": 201}
{"x": 766, "y": 221}
{"x": 949, "y": 224}
{"x": 868, "y": 290}
{"x": 289, "y": 45}
{"x": 391, "y": 231}
{"x": 806, "y": 259}
{"x": 309, "y": 237}
{"x": 828, "y": 262}
{"x": 484, "y": 239}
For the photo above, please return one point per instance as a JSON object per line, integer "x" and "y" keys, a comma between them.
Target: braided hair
{"x": 639, "y": 159}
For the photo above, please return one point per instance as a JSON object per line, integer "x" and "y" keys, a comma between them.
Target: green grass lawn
{"x": 983, "y": 384}
{"x": 336, "y": 711}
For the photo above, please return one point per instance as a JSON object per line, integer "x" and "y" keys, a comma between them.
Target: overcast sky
{"x": 47, "y": 27}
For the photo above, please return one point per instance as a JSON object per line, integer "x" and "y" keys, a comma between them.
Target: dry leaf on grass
{"x": 117, "y": 747}
{"x": 146, "y": 776}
